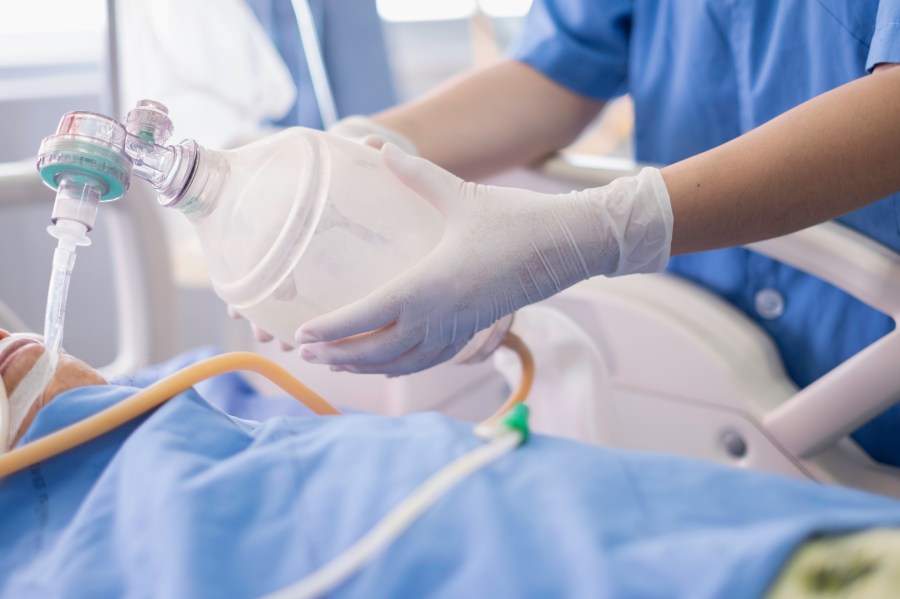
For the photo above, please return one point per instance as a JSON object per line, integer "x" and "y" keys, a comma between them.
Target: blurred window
{"x": 49, "y": 32}
{"x": 51, "y": 62}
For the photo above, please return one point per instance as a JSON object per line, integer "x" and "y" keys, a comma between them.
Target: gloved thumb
{"x": 438, "y": 187}
{"x": 373, "y": 141}
{"x": 378, "y": 309}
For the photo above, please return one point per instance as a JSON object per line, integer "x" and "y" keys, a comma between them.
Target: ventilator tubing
{"x": 143, "y": 401}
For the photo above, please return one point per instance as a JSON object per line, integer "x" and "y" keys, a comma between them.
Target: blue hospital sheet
{"x": 192, "y": 502}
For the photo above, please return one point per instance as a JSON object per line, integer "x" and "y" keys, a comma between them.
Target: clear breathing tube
{"x": 73, "y": 217}
{"x": 74, "y": 213}
{"x": 90, "y": 159}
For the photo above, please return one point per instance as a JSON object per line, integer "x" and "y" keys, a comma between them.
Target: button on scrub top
{"x": 703, "y": 72}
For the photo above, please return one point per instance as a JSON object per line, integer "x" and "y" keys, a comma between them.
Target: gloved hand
{"x": 259, "y": 334}
{"x": 367, "y": 132}
{"x": 502, "y": 249}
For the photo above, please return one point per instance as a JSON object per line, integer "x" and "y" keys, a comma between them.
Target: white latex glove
{"x": 502, "y": 249}
{"x": 362, "y": 130}
{"x": 368, "y": 132}
{"x": 259, "y": 334}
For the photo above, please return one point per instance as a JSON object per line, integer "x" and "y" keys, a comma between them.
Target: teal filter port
{"x": 89, "y": 146}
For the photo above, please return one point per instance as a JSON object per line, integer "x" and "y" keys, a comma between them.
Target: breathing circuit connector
{"x": 87, "y": 150}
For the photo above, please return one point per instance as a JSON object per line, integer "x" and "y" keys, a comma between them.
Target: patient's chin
{"x": 71, "y": 373}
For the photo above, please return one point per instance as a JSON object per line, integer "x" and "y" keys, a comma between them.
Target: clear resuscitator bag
{"x": 292, "y": 226}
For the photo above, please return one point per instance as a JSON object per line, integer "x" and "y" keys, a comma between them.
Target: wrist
{"x": 629, "y": 225}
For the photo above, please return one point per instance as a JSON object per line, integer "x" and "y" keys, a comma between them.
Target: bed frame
{"x": 674, "y": 368}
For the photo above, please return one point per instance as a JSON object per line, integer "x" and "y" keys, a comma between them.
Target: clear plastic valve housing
{"x": 94, "y": 127}
{"x": 150, "y": 120}
{"x": 87, "y": 146}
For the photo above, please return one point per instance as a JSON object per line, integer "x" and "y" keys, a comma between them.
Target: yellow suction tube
{"x": 160, "y": 392}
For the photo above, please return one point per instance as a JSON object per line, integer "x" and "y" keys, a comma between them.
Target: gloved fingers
{"x": 261, "y": 335}
{"x": 438, "y": 187}
{"x": 285, "y": 346}
{"x": 358, "y": 127}
{"x": 384, "y": 345}
{"x": 373, "y": 141}
{"x": 417, "y": 359}
{"x": 378, "y": 309}
{"x": 258, "y": 333}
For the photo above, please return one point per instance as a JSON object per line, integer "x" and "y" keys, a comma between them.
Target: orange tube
{"x": 520, "y": 393}
{"x": 143, "y": 401}
{"x": 155, "y": 395}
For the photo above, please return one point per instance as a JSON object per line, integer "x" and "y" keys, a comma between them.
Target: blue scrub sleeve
{"x": 885, "y": 45}
{"x": 581, "y": 45}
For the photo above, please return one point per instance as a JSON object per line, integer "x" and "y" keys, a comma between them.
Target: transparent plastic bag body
{"x": 301, "y": 223}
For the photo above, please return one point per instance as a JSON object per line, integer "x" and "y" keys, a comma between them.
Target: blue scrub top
{"x": 704, "y": 72}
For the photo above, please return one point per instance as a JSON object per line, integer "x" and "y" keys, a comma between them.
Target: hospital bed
{"x": 674, "y": 368}
{"x": 648, "y": 362}
{"x": 658, "y": 363}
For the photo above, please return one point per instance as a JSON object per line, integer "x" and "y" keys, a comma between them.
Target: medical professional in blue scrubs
{"x": 774, "y": 116}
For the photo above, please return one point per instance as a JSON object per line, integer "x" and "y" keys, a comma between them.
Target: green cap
{"x": 517, "y": 419}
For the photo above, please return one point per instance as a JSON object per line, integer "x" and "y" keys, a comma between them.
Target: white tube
{"x": 70, "y": 234}
{"x": 399, "y": 519}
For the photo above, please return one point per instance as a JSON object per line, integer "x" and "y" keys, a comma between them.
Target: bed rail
{"x": 857, "y": 390}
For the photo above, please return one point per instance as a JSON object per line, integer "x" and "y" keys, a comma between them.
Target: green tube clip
{"x": 517, "y": 419}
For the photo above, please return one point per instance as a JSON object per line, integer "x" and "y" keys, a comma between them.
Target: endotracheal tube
{"x": 73, "y": 216}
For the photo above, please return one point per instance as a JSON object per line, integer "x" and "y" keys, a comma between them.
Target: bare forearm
{"x": 485, "y": 121}
{"x": 831, "y": 155}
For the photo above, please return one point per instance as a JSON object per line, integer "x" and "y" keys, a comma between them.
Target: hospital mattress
{"x": 219, "y": 493}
